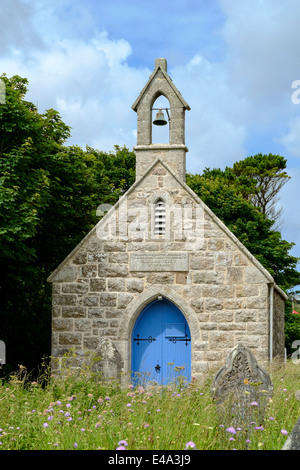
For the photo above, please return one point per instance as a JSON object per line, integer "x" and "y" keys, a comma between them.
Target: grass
{"x": 80, "y": 412}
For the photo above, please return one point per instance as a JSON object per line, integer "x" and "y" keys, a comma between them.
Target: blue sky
{"x": 233, "y": 61}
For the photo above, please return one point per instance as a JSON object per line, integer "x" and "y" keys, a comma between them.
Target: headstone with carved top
{"x": 242, "y": 388}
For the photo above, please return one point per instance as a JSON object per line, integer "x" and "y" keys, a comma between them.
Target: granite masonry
{"x": 161, "y": 241}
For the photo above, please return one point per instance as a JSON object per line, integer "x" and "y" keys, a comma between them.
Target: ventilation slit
{"x": 160, "y": 218}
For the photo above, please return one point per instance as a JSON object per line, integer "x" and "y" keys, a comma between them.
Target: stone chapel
{"x": 160, "y": 287}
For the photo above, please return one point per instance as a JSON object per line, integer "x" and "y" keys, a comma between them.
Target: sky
{"x": 236, "y": 63}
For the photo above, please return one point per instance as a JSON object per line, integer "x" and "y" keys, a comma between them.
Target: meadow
{"x": 82, "y": 412}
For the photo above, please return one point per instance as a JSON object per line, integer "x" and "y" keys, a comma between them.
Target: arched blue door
{"x": 161, "y": 344}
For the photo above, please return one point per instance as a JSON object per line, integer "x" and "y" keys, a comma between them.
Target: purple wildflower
{"x": 123, "y": 443}
{"x": 190, "y": 444}
{"x": 232, "y": 430}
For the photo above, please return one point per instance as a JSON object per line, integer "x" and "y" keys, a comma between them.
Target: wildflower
{"x": 75, "y": 445}
{"x": 248, "y": 441}
{"x": 107, "y": 398}
{"x": 259, "y": 428}
{"x": 190, "y": 444}
{"x": 271, "y": 418}
{"x": 232, "y": 430}
{"x": 254, "y": 403}
{"x": 45, "y": 425}
{"x": 231, "y": 438}
{"x": 67, "y": 414}
{"x": 90, "y": 395}
{"x": 68, "y": 405}
{"x": 283, "y": 431}
{"x": 121, "y": 448}
{"x": 246, "y": 381}
{"x": 129, "y": 405}
{"x": 123, "y": 443}
{"x": 50, "y": 418}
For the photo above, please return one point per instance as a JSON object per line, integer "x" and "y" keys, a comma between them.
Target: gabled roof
{"x": 217, "y": 221}
{"x": 169, "y": 81}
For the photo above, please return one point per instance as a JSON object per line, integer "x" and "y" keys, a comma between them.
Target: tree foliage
{"x": 267, "y": 175}
{"x": 49, "y": 194}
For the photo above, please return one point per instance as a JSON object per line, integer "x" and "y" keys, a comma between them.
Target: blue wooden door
{"x": 161, "y": 344}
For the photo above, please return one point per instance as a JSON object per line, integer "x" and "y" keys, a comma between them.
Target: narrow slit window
{"x": 160, "y": 218}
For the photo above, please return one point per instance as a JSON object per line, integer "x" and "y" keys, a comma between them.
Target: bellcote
{"x": 173, "y": 152}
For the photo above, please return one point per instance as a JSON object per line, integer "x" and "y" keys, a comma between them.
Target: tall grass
{"x": 79, "y": 411}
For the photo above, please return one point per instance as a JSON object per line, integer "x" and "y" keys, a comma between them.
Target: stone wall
{"x": 278, "y": 326}
{"x": 98, "y": 293}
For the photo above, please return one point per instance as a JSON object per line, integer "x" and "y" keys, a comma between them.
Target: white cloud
{"x": 291, "y": 140}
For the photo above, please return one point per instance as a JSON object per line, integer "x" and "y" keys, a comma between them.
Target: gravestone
{"x": 293, "y": 441}
{"x": 110, "y": 360}
{"x": 241, "y": 388}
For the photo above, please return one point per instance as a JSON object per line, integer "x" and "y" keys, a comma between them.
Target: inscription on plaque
{"x": 159, "y": 262}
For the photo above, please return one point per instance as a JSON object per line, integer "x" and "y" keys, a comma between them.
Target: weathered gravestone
{"x": 110, "y": 360}
{"x": 293, "y": 441}
{"x": 241, "y": 388}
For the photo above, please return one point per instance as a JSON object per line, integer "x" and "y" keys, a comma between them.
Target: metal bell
{"x": 160, "y": 119}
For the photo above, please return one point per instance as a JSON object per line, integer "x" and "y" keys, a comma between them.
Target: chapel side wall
{"x": 278, "y": 325}
{"x": 225, "y": 293}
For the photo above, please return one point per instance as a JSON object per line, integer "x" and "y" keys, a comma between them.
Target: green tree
{"x": 49, "y": 194}
{"x": 267, "y": 175}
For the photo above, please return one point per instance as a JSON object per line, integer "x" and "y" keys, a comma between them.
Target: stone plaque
{"x": 177, "y": 261}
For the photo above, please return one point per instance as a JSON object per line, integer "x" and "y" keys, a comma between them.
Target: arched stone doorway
{"x": 160, "y": 345}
